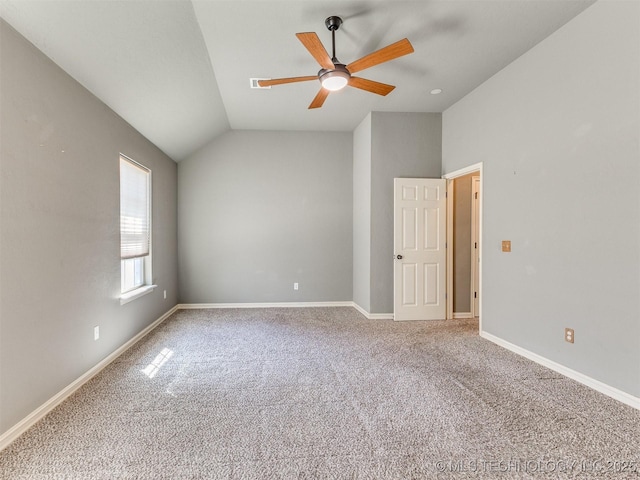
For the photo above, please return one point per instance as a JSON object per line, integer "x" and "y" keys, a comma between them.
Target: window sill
{"x": 137, "y": 293}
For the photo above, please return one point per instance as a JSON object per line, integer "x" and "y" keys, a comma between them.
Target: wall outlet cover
{"x": 569, "y": 335}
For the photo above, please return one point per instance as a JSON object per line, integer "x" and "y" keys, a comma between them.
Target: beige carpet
{"x": 326, "y": 393}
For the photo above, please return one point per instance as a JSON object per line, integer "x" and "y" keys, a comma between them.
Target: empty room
{"x": 319, "y": 239}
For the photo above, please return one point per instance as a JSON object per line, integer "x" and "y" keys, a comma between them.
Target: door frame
{"x": 450, "y": 177}
{"x": 475, "y": 244}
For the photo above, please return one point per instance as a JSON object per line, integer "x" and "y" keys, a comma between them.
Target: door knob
{"x": 399, "y": 257}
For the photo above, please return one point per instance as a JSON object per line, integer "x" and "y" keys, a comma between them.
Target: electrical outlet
{"x": 568, "y": 335}
{"x": 96, "y": 332}
{"x": 295, "y": 286}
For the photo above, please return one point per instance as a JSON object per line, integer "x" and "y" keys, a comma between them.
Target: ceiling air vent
{"x": 254, "y": 82}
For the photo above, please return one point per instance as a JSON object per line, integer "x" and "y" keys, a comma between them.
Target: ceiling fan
{"x": 335, "y": 75}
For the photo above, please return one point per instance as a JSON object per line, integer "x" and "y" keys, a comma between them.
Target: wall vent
{"x": 254, "y": 82}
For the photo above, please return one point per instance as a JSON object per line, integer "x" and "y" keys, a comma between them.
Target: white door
{"x": 419, "y": 248}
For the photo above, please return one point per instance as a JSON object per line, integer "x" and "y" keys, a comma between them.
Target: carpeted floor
{"x": 326, "y": 393}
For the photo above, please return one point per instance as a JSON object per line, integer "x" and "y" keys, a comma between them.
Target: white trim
{"x": 597, "y": 385}
{"x": 192, "y": 306}
{"x": 462, "y": 315}
{"x": 475, "y": 238}
{"x": 450, "y": 245}
{"x": 372, "y": 316}
{"x": 476, "y": 167}
{"x": 380, "y": 316}
{"x": 137, "y": 293}
{"x": 40, "y": 412}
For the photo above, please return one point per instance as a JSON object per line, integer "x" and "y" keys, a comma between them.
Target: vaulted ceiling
{"x": 178, "y": 70}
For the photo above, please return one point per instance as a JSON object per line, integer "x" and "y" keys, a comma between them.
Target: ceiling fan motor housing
{"x": 334, "y": 79}
{"x": 339, "y": 67}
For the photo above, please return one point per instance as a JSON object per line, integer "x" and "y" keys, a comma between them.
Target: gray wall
{"x": 362, "y": 214}
{"x": 557, "y": 131}
{"x": 402, "y": 145}
{"x": 259, "y": 211}
{"x": 59, "y": 230}
{"x": 462, "y": 244}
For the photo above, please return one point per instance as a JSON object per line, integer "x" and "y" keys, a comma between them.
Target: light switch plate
{"x": 506, "y": 245}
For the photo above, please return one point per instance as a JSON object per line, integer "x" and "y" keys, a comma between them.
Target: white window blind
{"x": 134, "y": 209}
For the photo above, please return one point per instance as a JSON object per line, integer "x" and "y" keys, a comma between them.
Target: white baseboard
{"x": 372, "y": 316}
{"x": 39, "y": 413}
{"x": 462, "y": 315}
{"x": 597, "y": 385}
{"x": 193, "y": 306}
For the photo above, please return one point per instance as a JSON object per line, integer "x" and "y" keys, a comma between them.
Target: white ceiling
{"x": 178, "y": 70}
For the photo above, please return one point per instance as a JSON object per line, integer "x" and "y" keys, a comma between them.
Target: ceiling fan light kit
{"x": 334, "y": 75}
{"x": 334, "y": 80}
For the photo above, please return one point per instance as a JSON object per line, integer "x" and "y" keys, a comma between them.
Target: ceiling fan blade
{"x": 312, "y": 43}
{"x": 371, "y": 86}
{"x": 320, "y": 98}
{"x": 280, "y": 81}
{"x": 390, "y": 52}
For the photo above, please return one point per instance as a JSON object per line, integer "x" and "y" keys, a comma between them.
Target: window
{"x": 135, "y": 227}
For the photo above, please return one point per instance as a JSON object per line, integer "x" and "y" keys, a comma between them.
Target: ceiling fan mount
{"x": 335, "y": 75}
{"x": 333, "y": 23}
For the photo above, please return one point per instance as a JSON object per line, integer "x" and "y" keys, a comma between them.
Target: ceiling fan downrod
{"x": 338, "y": 77}
{"x": 333, "y": 23}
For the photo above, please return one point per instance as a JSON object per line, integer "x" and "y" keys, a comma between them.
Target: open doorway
{"x": 465, "y": 246}
{"x": 464, "y": 236}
